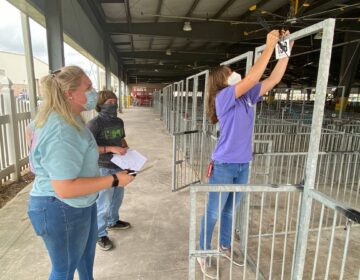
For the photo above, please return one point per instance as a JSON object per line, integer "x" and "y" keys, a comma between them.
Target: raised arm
{"x": 259, "y": 67}
{"x": 277, "y": 74}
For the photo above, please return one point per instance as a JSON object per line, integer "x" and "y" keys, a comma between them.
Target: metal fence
{"x": 304, "y": 176}
{"x": 14, "y": 117}
{"x": 268, "y": 246}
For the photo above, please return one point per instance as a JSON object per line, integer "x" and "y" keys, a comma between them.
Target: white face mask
{"x": 234, "y": 78}
{"x": 91, "y": 99}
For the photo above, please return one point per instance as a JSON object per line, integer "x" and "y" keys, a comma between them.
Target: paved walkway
{"x": 156, "y": 247}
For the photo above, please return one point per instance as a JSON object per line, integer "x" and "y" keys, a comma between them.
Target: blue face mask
{"x": 91, "y": 99}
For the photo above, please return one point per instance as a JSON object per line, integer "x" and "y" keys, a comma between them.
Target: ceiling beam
{"x": 158, "y": 11}
{"x": 188, "y": 14}
{"x": 157, "y": 74}
{"x": 154, "y": 79}
{"x": 208, "y": 31}
{"x": 224, "y": 8}
{"x": 129, "y": 21}
{"x": 94, "y": 16}
{"x": 122, "y": 44}
{"x": 176, "y": 56}
{"x": 192, "y": 8}
{"x": 248, "y": 12}
{"x": 324, "y": 7}
{"x": 303, "y": 8}
{"x": 168, "y": 67}
{"x": 111, "y": 1}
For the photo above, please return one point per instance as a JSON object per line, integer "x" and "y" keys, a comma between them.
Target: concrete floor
{"x": 156, "y": 247}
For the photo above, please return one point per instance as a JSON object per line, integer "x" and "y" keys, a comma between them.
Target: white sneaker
{"x": 209, "y": 271}
{"x": 238, "y": 258}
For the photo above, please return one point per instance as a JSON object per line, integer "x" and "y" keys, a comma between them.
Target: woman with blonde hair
{"x": 64, "y": 158}
{"x": 230, "y": 102}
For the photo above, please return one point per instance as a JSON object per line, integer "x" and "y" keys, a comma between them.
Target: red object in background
{"x": 142, "y": 96}
{"x": 144, "y": 100}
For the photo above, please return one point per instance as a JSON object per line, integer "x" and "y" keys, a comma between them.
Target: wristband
{"x": 115, "y": 182}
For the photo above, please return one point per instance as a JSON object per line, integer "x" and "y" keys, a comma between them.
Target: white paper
{"x": 131, "y": 160}
{"x": 279, "y": 53}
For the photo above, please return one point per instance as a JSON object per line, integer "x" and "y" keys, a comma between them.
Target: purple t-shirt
{"x": 236, "y": 121}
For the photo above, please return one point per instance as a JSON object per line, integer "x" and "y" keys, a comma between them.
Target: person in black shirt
{"x": 109, "y": 134}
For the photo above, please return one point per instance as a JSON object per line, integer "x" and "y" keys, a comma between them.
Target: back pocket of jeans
{"x": 38, "y": 221}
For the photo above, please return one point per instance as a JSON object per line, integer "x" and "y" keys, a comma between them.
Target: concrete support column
{"x": 29, "y": 64}
{"x": 125, "y": 90}
{"x": 107, "y": 66}
{"x": 54, "y": 34}
{"x": 120, "y": 78}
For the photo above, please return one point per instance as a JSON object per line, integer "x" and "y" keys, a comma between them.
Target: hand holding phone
{"x": 131, "y": 172}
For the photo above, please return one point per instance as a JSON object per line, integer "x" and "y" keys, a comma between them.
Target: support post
{"x": 29, "y": 64}
{"x": 54, "y": 33}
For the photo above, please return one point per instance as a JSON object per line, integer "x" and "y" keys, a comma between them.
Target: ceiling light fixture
{"x": 168, "y": 52}
{"x": 187, "y": 26}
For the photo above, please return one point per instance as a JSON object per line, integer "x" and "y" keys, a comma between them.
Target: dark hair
{"x": 216, "y": 82}
{"x": 103, "y": 96}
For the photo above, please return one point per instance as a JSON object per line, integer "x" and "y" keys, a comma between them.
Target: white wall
{"x": 15, "y": 68}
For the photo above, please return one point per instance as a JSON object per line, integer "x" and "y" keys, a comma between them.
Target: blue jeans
{"x": 108, "y": 204}
{"x": 69, "y": 234}
{"x": 222, "y": 173}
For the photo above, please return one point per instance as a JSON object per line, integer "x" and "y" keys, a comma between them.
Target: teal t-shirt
{"x": 60, "y": 152}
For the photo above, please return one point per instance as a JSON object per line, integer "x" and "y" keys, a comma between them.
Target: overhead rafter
{"x": 93, "y": 13}
{"x": 158, "y": 80}
{"x": 129, "y": 21}
{"x": 158, "y": 10}
{"x": 248, "y": 12}
{"x": 224, "y": 8}
{"x": 111, "y": 1}
{"x": 200, "y": 30}
{"x": 123, "y": 44}
{"x": 149, "y": 73}
{"x": 227, "y": 5}
{"x": 304, "y": 8}
{"x": 188, "y": 14}
{"x": 177, "y": 56}
{"x": 326, "y": 6}
{"x": 168, "y": 67}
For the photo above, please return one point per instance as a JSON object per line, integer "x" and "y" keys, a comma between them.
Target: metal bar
{"x": 259, "y": 239}
{"x": 174, "y": 159}
{"x": 29, "y": 64}
{"x": 331, "y": 245}
{"x": 250, "y": 188}
{"x": 346, "y": 246}
{"x": 218, "y": 247}
{"x": 192, "y": 234}
{"x": 246, "y": 234}
{"x": 328, "y": 27}
{"x": 286, "y": 234}
{"x": 352, "y": 214}
{"x": 318, "y": 241}
{"x": 273, "y": 237}
{"x": 232, "y": 235}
